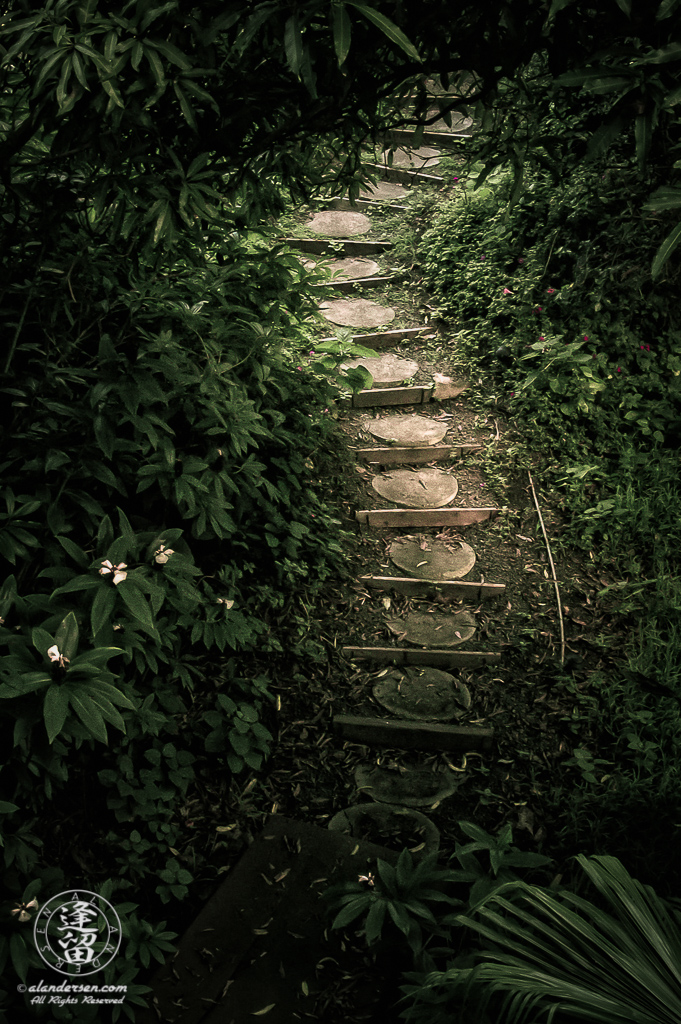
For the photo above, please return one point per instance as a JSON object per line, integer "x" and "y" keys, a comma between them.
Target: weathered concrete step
{"x": 395, "y": 456}
{"x": 261, "y": 935}
{"x": 438, "y": 140}
{"x": 430, "y": 590}
{"x": 349, "y": 284}
{"x": 416, "y": 394}
{"x": 336, "y": 246}
{"x": 393, "y": 732}
{"x": 366, "y": 206}
{"x": 403, "y": 175}
{"x": 386, "y": 339}
{"x": 426, "y": 517}
{"x": 433, "y": 658}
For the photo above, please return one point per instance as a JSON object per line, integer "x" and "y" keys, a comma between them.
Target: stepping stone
{"x": 417, "y": 158}
{"x": 411, "y": 431}
{"x": 459, "y": 122}
{"x": 339, "y": 223}
{"x": 439, "y": 560}
{"x": 351, "y": 268}
{"x": 434, "y": 629}
{"x": 357, "y": 313}
{"x": 422, "y": 488}
{"x": 421, "y": 694}
{"x": 387, "y": 369}
{"x": 401, "y": 825}
{"x": 384, "y": 190}
{"x": 412, "y": 787}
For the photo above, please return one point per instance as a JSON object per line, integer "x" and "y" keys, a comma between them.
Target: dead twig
{"x": 553, "y": 571}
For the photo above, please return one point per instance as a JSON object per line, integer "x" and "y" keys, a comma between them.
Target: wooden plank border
{"x": 434, "y": 658}
{"x": 395, "y": 456}
{"x": 385, "y": 339}
{"x": 333, "y": 247}
{"x": 395, "y": 732}
{"x": 431, "y": 589}
{"x": 426, "y": 517}
{"x": 403, "y": 175}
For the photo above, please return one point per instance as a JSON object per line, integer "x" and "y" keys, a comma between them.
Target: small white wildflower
{"x": 22, "y": 910}
{"x": 227, "y": 603}
{"x": 367, "y": 878}
{"x": 162, "y": 555}
{"x": 54, "y": 654}
{"x": 117, "y": 570}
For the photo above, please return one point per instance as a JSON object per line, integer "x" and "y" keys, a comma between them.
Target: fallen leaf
{"x": 265, "y": 1009}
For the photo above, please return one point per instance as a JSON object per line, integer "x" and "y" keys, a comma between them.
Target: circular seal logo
{"x": 77, "y": 932}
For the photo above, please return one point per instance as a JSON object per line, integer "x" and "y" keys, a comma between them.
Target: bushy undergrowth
{"x": 161, "y": 509}
{"x": 590, "y": 371}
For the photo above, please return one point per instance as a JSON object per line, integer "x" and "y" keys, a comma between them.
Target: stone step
{"x": 403, "y": 175}
{"x": 425, "y": 517}
{"x": 395, "y": 456}
{"x": 395, "y": 732}
{"x": 336, "y": 246}
{"x": 351, "y": 283}
{"x": 365, "y": 205}
{"x": 386, "y": 339}
{"x": 416, "y": 394}
{"x": 262, "y": 934}
{"x": 431, "y": 590}
{"x": 438, "y": 140}
{"x": 434, "y": 658}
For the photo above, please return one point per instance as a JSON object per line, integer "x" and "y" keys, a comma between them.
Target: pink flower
{"x": 550, "y": 291}
{"x": 586, "y": 337}
{"x": 537, "y": 309}
{"x": 507, "y": 291}
{"x": 455, "y": 179}
{"x": 521, "y": 260}
{"x": 619, "y": 369}
{"x": 541, "y": 337}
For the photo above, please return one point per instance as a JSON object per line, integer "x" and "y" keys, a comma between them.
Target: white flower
{"x": 163, "y": 554}
{"x": 227, "y": 603}
{"x": 367, "y": 878}
{"x": 54, "y": 654}
{"x": 117, "y": 570}
{"x": 22, "y": 910}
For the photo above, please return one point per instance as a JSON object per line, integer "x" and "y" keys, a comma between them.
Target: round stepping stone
{"x": 402, "y": 825}
{"x": 357, "y": 313}
{"x": 416, "y": 158}
{"x": 384, "y": 191}
{"x": 459, "y": 122}
{"x": 387, "y": 370}
{"x": 351, "y": 268}
{"x": 421, "y": 694}
{"x": 439, "y": 560}
{"x": 434, "y": 629}
{"x": 413, "y": 787}
{"x": 410, "y": 431}
{"x": 421, "y": 488}
{"x": 339, "y": 223}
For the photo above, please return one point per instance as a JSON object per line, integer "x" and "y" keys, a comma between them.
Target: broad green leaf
{"x": 342, "y": 30}
{"x": 665, "y": 198}
{"x": 156, "y": 66}
{"x": 89, "y": 715}
{"x": 352, "y": 910}
{"x": 666, "y": 8}
{"x": 374, "y": 922}
{"x": 55, "y": 710}
{"x": 171, "y": 53}
{"x": 41, "y": 640}
{"x": 76, "y": 553}
{"x": 666, "y": 249}
{"x": 137, "y": 605}
{"x": 186, "y": 107}
{"x": 19, "y": 955}
{"x": 388, "y": 28}
{"x": 558, "y": 5}
{"x": 7, "y": 808}
{"x": 101, "y": 612}
{"x": 66, "y": 637}
{"x": 293, "y": 44}
{"x": 643, "y": 132}
{"x": 624, "y": 5}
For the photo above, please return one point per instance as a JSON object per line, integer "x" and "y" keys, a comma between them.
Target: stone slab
{"x": 353, "y": 821}
{"x": 422, "y": 488}
{"x": 427, "y": 518}
{"x": 412, "y": 787}
{"x": 434, "y": 629}
{"x": 357, "y": 313}
{"x": 428, "y": 558}
{"x": 353, "y": 267}
{"x": 410, "y": 431}
{"x": 409, "y": 656}
{"x": 385, "y": 190}
{"x": 378, "y": 732}
{"x": 419, "y": 693}
{"x": 387, "y": 369}
{"x": 445, "y": 388}
{"x": 416, "y": 159}
{"x": 266, "y": 914}
{"x": 403, "y": 456}
{"x": 444, "y": 590}
{"x": 339, "y": 223}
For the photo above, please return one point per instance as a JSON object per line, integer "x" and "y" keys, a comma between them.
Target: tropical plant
{"x": 557, "y": 956}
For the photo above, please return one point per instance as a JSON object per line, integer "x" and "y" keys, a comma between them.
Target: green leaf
{"x": 293, "y": 44}
{"x": 666, "y": 249}
{"x": 171, "y": 53}
{"x": 7, "y": 808}
{"x": 388, "y": 28}
{"x": 19, "y": 955}
{"x": 137, "y": 605}
{"x": 666, "y": 8}
{"x": 665, "y": 198}
{"x": 374, "y": 922}
{"x": 643, "y": 132}
{"x": 342, "y": 30}
{"x": 101, "y": 612}
{"x": 66, "y": 637}
{"x": 624, "y": 5}
{"x": 352, "y": 910}
{"x": 76, "y": 553}
{"x": 186, "y": 107}
{"x": 55, "y": 710}
{"x": 41, "y": 640}
{"x": 89, "y": 715}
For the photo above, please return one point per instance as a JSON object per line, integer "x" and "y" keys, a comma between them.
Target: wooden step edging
{"x": 435, "y": 139}
{"x": 365, "y": 205}
{"x": 349, "y": 284}
{"x": 426, "y": 517}
{"x": 334, "y": 246}
{"x": 412, "y": 394}
{"x": 385, "y": 339}
{"x": 413, "y": 656}
{"x": 395, "y": 456}
{"x": 431, "y": 589}
{"x": 403, "y": 175}
{"x": 394, "y": 732}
